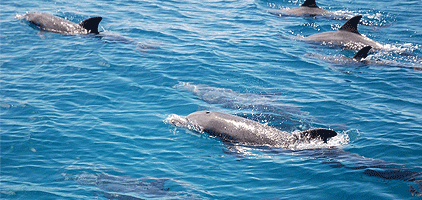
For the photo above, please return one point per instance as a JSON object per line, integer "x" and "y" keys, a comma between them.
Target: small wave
{"x": 399, "y": 55}
{"x": 181, "y": 121}
{"x": 402, "y": 49}
{"x": 369, "y": 17}
{"x": 19, "y": 16}
{"x": 176, "y": 120}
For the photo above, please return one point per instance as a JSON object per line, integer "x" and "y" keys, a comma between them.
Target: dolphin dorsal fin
{"x": 352, "y": 24}
{"x": 91, "y": 24}
{"x": 310, "y": 3}
{"x": 362, "y": 53}
{"x": 320, "y": 133}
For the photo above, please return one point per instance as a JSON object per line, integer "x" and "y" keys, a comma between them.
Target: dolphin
{"x": 239, "y": 130}
{"x": 55, "y": 24}
{"x": 235, "y": 129}
{"x": 362, "y": 53}
{"x": 360, "y": 58}
{"x": 309, "y": 9}
{"x": 347, "y": 36}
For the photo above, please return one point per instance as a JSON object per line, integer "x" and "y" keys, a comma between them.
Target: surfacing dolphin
{"x": 347, "y": 36}
{"x": 361, "y": 58}
{"x": 238, "y": 130}
{"x": 55, "y": 24}
{"x": 309, "y": 9}
{"x": 362, "y": 53}
{"x": 358, "y": 59}
{"x": 235, "y": 129}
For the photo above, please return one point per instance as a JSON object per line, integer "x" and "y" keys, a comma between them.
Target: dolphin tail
{"x": 310, "y": 3}
{"x": 320, "y": 133}
{"x": 91, "y": 24}
{"x": 352, "y": 24}
{"x": 362, "y": 53}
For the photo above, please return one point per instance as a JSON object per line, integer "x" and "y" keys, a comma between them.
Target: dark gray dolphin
{"x": 362, "y": 53}
{"x": 309, "y": 8}
{"x": 55, "y": 24}
{"x": 347, "y": 36}
{"x": 359, "y": 57}
{"x": 235, "y": 129}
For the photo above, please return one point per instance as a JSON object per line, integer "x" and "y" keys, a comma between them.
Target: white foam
{"x": 176, "y": 120}
{"x": 19, "y": 16}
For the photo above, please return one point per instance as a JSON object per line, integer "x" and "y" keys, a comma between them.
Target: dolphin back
{"x": 232, "y": 128}
{"x": 319, "y": 133}
{"x": 363, "y": 53}
{"x": 52, "y": 23}
{"x": 310, "y": 3}
{"x": 91, "y": 24}
{"x": 351, "y": 25}
{"x": 47, "y": 22}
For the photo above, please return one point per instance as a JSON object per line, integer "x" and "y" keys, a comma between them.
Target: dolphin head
{"x": 214, "y": 123}
{"x": 200, "y": 118}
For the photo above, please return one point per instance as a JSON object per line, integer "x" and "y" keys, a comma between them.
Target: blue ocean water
{"x": 84, "y": 117}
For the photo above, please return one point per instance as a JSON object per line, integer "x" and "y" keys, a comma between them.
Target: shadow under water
{"x": 125, "y": 187}
{"x": 267, "y": 105}
{"x": 338, "y": 158}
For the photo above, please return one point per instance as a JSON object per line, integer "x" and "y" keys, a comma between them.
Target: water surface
{"x": 76, "y": 105}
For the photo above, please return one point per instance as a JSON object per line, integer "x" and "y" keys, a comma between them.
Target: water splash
{"x": 181, "y": 121}
{"x": 19, "y": 16}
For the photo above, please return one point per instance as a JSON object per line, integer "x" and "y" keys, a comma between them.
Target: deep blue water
{"x": 84, "y": 117}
